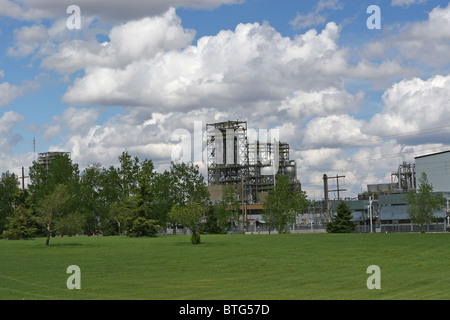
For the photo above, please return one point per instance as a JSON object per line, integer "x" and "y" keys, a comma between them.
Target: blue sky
{"x": 349, "y": 100}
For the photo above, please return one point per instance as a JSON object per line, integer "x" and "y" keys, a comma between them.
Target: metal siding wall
{"x": 394, "y": 213}
{"x": 437, "y": 168}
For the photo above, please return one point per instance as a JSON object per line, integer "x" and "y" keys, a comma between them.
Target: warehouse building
{"x": 387, "y": 201}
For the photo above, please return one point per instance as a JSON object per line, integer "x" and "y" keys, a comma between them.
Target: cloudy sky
{"x": 350, "y": 100}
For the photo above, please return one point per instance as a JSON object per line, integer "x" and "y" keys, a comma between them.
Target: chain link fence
{"x": 321, "y": 228}
{"x": 402, "y": 227}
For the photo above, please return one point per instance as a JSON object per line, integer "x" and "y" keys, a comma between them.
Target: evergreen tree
{"x": 8, "y": 192}
{"x": 20, "y": 225}
{"x": 342, "y": 221}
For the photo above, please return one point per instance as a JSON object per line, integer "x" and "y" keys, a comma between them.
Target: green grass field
{"x": 291, "y": 266}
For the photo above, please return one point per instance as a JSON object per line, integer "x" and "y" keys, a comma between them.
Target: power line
{"x": 358, "y": 142}
{"x": 324, "y": 164}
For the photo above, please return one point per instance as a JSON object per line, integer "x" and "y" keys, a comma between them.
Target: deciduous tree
{"x": 283, "y": 203}
{"x": 53, "y": 213}
{"x": 183, "y": 183}
{"x": 225, "y": 211}
{"x": 191, "y": 216}
{"x": 423, "y": 203}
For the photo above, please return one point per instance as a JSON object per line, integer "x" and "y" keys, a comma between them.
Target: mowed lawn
{"x": 225, "y": 267}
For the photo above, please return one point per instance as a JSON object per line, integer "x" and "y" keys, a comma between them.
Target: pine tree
{"x": 342, "y": 221}
{"x": 19, "y": 226}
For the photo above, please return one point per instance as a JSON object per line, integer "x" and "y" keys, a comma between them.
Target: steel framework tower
{"x": 227, "y": 152}
{"x": 250, "y": 166}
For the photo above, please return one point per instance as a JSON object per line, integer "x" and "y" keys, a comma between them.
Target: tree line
{"x": 132, "y": 199}
{"x": 135, "y": 200}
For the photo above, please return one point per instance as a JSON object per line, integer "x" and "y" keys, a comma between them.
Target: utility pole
{"x": 337, "y": 185}
{"x": 326, "y": 191}
{"x": 23, "y": 179}
{"x": 370, "y": 213}
{"x": 243, "y": 210}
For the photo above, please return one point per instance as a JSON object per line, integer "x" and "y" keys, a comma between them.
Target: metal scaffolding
{"x": 249, "y": 166}
{"x": 405, "y": 177}
{"x": 227, "y": 152}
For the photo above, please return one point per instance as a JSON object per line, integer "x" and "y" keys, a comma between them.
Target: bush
{"x": 195, "y": 238}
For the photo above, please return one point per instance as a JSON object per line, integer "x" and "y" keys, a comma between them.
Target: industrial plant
{"x": 248, "y": 161}
{"x": 237, "y": 158}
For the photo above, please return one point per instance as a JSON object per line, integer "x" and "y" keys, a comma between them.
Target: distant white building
{"x": 437, "y": 168}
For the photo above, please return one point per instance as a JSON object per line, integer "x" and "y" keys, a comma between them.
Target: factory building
{"x": 387, "y": 204}
{"x": 235, "y": 159}
{"x": 383, "y": 207}
{"x": 239, "y": 158}
{"x": 248, "y": 161}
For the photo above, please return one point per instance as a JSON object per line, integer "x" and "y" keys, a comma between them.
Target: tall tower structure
{"x": 227, "y": 150}
{"x": 248, "y": 165}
